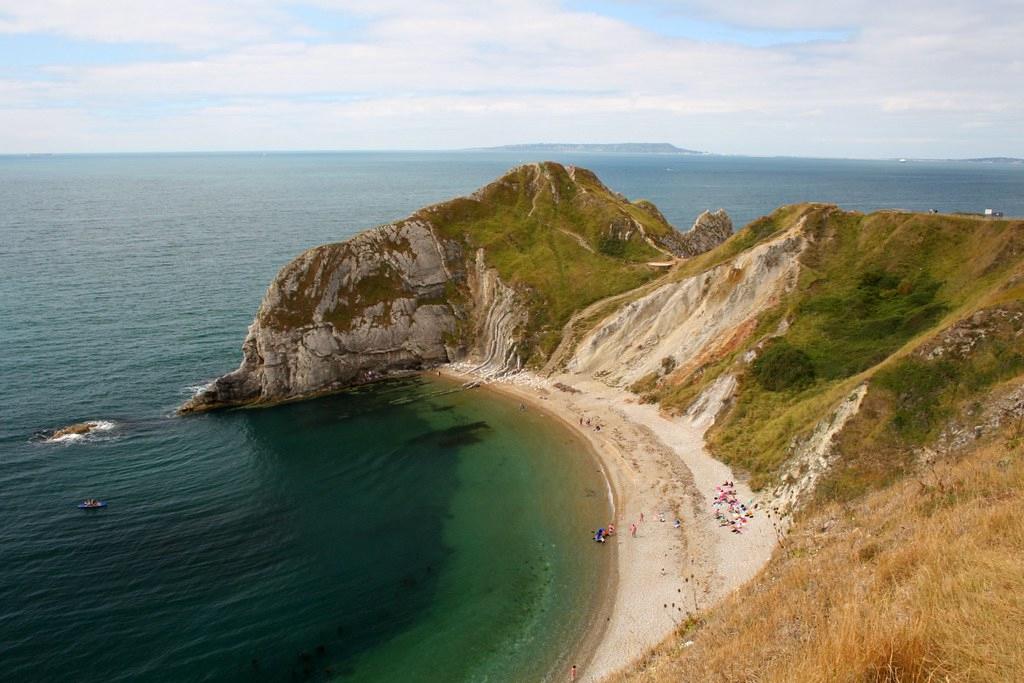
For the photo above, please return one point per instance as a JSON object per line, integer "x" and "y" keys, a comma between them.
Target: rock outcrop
{"x": 342, "y": 314}
{"x": 812, "y": 456}
{"x": 708, "y": 231}
{"x": 79, "y": 430}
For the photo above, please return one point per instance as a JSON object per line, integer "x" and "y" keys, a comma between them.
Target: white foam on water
{"x": 97, "y": 427}
{"x": 194, "y": 390}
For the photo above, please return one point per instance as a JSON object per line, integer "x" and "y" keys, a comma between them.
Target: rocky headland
{"x": 488, "y": 279}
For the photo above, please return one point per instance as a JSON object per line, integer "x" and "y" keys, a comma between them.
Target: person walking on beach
{"x": 641, "y": 516}
{"x": 632, "y": 529}
{"x": 572, "y": 673}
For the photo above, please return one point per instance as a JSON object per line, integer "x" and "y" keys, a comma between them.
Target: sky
{"x": 827, "y": 78}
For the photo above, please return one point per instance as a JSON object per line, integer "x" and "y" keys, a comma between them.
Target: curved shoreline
{"x": 595, "y": 624}
{"x": 656, "y": 467}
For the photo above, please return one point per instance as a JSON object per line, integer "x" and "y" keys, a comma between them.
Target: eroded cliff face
{"x": 494, "y": 345}
{"x": 691, "y": 321}
{"x": 812, "y": 456}
{"x": 341, "y": 314}
{"x": 709, "y": 230}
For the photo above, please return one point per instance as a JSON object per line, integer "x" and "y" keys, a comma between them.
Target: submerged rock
{"x": 75, "y": 429}
{"x": 79, "y": 430}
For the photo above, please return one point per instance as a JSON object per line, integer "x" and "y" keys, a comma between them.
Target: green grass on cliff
{"x": 562, "y": 242}
{"x": 871, "y": 288}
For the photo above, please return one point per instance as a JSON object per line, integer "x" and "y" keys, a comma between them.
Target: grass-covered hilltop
{"x": 863, "y": 374}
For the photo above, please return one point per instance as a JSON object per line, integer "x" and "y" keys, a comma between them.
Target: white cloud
{"x": 191, "y": 24}
{"x": 531, "y": 68}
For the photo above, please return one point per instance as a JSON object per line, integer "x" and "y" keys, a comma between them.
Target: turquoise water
{"x": 412, "y": 531}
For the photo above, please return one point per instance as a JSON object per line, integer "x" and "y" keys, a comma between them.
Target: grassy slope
{"x": 869, "y": 287}
{"x": 917, "y": 582}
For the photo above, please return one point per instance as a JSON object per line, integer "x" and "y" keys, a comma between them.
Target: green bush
{"x": 861, "y": 321}
{"x": 917, "y": 387}
{"x": 612, "y": 246}
{"x": 782, "y": 366}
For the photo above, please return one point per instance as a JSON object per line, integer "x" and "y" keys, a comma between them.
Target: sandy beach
{"x": 658, "y": 469}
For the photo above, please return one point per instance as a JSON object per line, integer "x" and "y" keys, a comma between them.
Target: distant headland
{"x": 599, "y": 148}
{"x": 996, "y": 160}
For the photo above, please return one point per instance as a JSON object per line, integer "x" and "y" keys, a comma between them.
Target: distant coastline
{"x": 600, "y": 148}
{"x": 973, "y": 160}
{"x": 996, "y": 160}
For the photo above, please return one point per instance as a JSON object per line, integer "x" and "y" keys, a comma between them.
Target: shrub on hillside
{"x": 612, "y": 246}
{"x": 858, "y": 320}
{"x": 782, "y": 366}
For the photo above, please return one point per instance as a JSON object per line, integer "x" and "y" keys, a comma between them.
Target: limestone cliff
{"x": 708, "y": 231}
{"x": 489, "y": 279}
{"x": 340, "y": 314}
{"x": 687, "y": 323}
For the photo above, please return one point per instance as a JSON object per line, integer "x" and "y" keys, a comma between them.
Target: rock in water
{"x": 77, "y": 429}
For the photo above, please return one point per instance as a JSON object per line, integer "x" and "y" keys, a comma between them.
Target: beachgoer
{"x": 641, "y": 516}
{"x": 632, "y": 529}
{"x": 677, "y": 524}
{"x": 572, "y": 673}
{"x": 611, "y": 529}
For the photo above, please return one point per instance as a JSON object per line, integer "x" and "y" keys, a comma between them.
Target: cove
{"x": 406, "y": 529}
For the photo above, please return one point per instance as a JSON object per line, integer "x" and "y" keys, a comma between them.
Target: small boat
{"x": 95, "y": 505}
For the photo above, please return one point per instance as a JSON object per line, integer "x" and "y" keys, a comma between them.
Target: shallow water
{"x": 410, "y": 531}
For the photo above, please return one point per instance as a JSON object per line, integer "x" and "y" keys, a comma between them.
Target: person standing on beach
{"x": 632, "y": 529}
{"x": 572, "y": 673}
{"x": 641, "y": 516}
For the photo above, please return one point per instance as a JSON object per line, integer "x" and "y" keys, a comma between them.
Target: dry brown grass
{"x": 922, "y": 581}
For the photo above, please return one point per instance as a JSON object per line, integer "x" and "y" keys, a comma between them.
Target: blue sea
{"x": 410, "y": 530}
